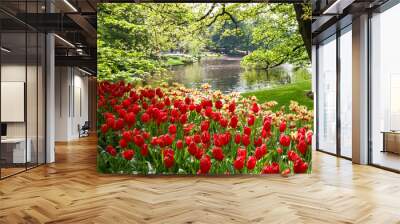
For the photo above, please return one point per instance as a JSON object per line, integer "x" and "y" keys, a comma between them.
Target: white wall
{"x": 62, "y": 81}
{"x": 12, "y": 73}
{"x": 33, "y": 127}
{"x": 71, "y": 94}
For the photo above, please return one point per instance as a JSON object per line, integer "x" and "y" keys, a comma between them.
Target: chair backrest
{"x": 86, "y": 125}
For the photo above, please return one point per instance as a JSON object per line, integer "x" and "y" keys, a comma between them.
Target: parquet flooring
{"x": 71, "y": 191}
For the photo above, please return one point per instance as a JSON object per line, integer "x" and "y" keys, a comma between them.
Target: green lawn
{"x": 174, "y": 60}
{"x": 284, "y": 94}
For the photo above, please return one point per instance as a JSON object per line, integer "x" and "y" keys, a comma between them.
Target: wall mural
{"x": 151, "y": 123}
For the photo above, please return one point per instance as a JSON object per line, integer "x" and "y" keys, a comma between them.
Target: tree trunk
{"x": 304, "y": 27}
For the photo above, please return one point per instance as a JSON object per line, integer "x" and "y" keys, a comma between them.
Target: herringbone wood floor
{"x": 70, "y": 191}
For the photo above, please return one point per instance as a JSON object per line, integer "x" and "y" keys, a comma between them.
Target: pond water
{"x": 226, "y": 74}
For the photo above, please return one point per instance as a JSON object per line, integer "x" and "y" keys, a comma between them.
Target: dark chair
{"x": 84, "y": 130}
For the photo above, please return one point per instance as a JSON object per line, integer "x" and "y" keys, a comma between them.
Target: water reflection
{"x": 226, "y": 74}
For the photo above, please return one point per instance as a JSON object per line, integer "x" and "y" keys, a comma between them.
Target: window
{"x": 327, "y": 95}
{"x": 385, "y": 89}
{"x": 346, "y": 92}
{"x": 22, "y": 77}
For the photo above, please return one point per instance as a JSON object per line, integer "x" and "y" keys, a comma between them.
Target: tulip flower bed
{"x": 174, "y": 130}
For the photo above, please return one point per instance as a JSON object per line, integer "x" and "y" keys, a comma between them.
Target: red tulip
{"x": 126, "y": 103}
{"x": 110, "y": 122}
{"x": 146, "y": 135}
{"x": 199, "y": 153}
{"x": 122, "y": 112}
{"x": 255, "y": 108}
{"x": 183, "y": 118}
{"x": 128, "y": 154}
{"x": 206, "y": 103}
{"x": 267, "y": 124}
{"x": 159, "y": 93}
{"x": 188, "y": 140}
{"x": 269, "y": 169}
{"x": 232, "y": 107}
{"x": 238, "y": 138}
{"x": 192, "y": 107}
{"x": 205, "y": 137}
{"x": 205, "y": 164}
{"x": 247, "y": 130}
{"x": 179, "y": 144}
{"x": 279, "y": 150}
{"x": 208, "y": 112}
{"x": 123, "y": 143}
{"x": 192, "y": 148}
{"x": 246, "y": 140}
{"x": 309, "y": 138}
{"x": 205, "y": 125}
{"x": 168, "y": 152}
{"x": 282, "y": 126}
{"x": 104, "y": 128}
{"x": 264, "y": 133}
{"x": 241, "y": 152}
{"x": 172, "y": 129}
{"x": 234, "y": 122}
{"x": 227, "y": 138}
{"x": 197, "y": 138}
{"x": 111, "y": 150}
{"x": 239, "y": 163}
{"x": 136, "y": 108}
{"x": 198, "y": 108}
{"x": 300, "y": 137}
{"x": 251, "y": 163}
{"x": 301, "y": 131}
{"x": 145, "y": 117}
{"x": 223, "y": 122}
{"x": 188, "y": 100}
{"x": 169, "y": 161}
{"x": 251, "y": 119}
{"x": 292, "y": 155}
{"x": 126, "y": 135}
{"x": 144, "y": 150}
{"x": 119, "y": 124}
{"x": 257, "y": 141}
{"x": 300, "y": 166}
{"x": 183, "y": 108}
{"x": 154, "y": 141}
{"x": 167, "y": 140}
{"x": 302, "y": 147}
{"x": 260, "y": 151}
{"x": 113, "y": 101}
{"x": 130, "y": 118}
{"x": 138, "y": 140}
{"x": 218, "y": 104}
{"x": 175, "y": 113}
{"x": 218, "y": 153}
{"x": 284, "y": 140}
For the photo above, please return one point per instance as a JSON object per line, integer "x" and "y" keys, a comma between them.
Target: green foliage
{"x": 277, "y": 39}
{"x": 132, "y": 38}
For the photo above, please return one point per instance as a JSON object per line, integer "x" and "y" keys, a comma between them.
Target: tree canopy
{"x": 132, "y": 37}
